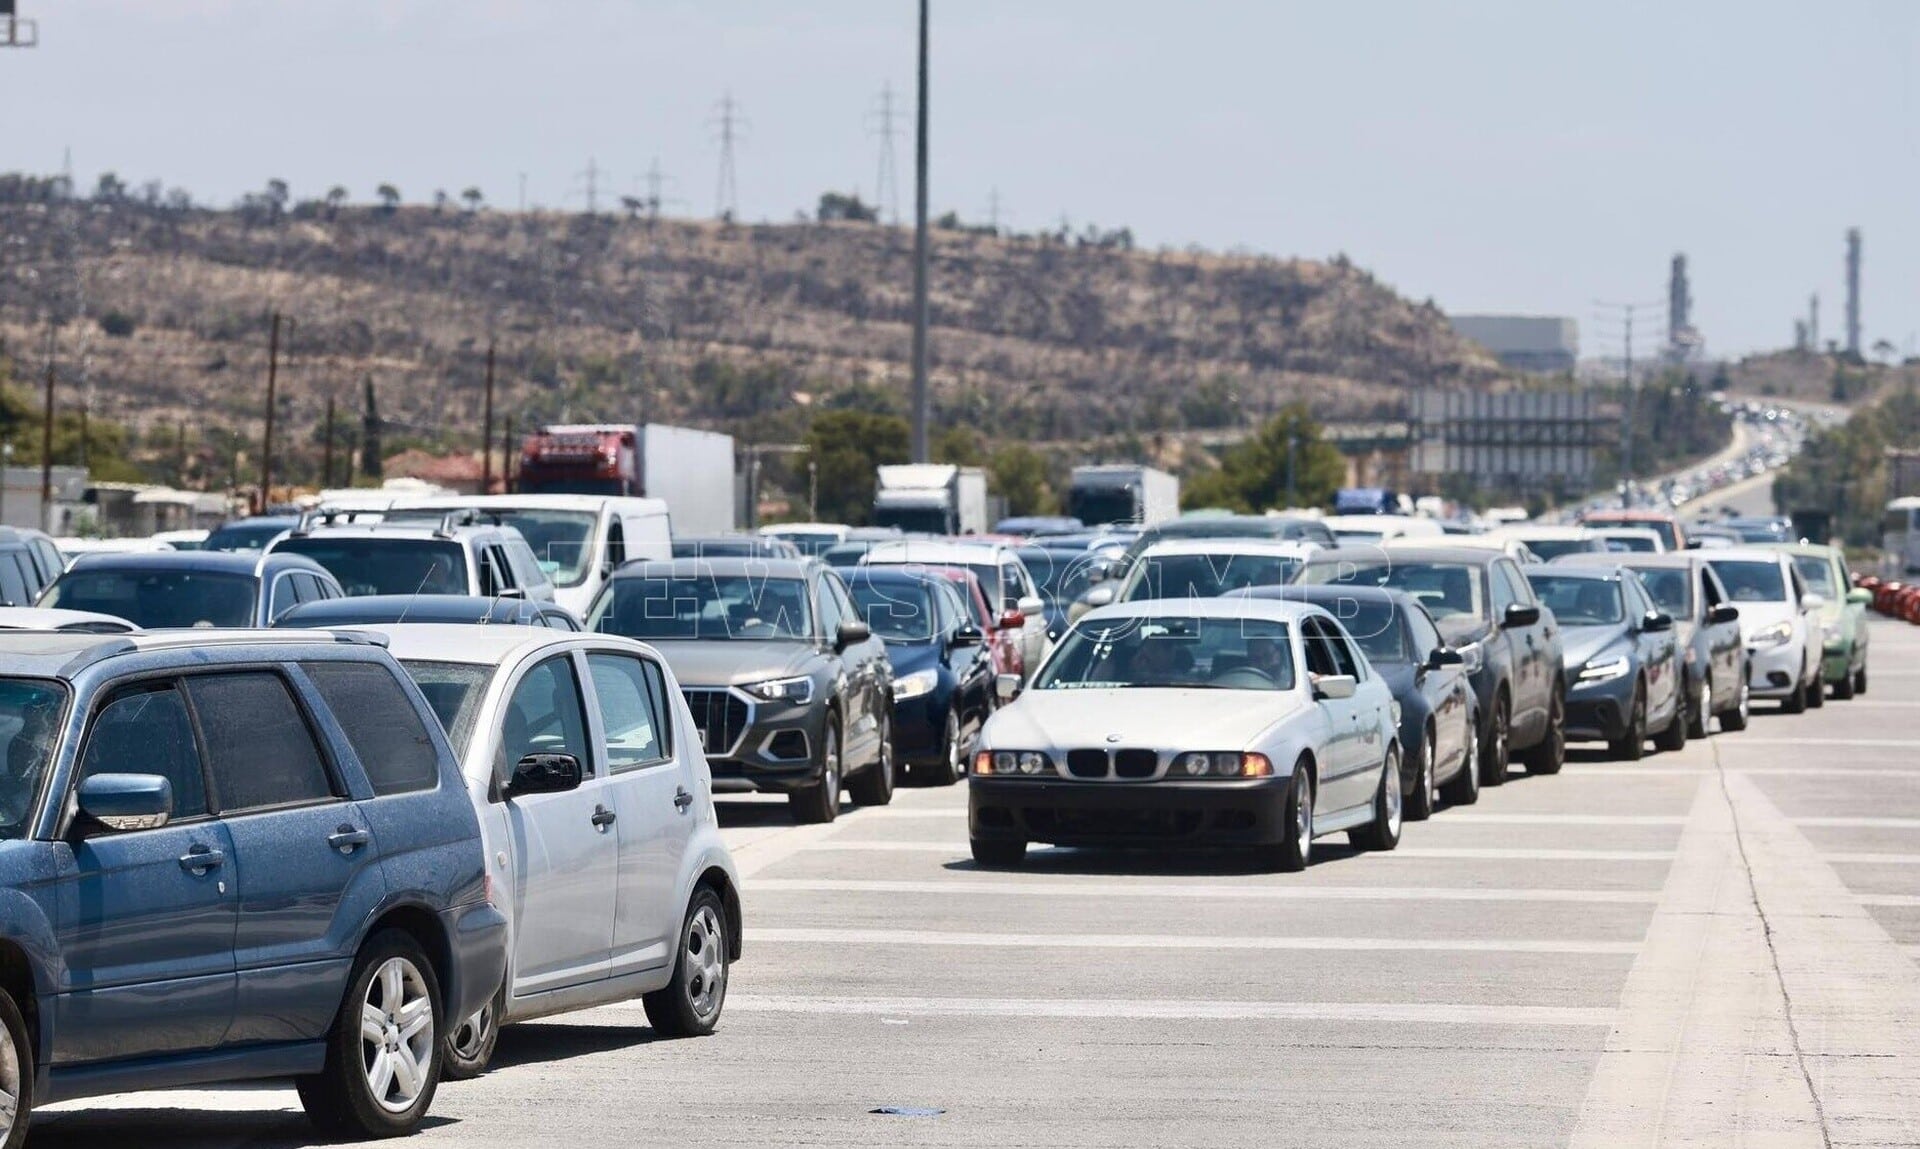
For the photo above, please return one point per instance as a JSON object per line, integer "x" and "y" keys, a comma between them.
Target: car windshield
{"x": 561, "y": 540}
{"x": 1062, "y": 575}
{"x": 1445, "y": 589}
{"x": 813, "y": 543}
{"x": 1579, "y": 601}
{"x": 1671, "y": 589}
{"x": 454, "y": 690}
{"x": 1632, "y": 544}
{"x": 376, "y": 565}
{"x": 704, "y": 606}
{"x": 1658, "y": 526}
{"x": 1751, "y": 580}
{"x": 1358, "y": 537}
{"x": 897, "y": 611}
{"x": 1205, "y": 575}
{"x": 244, "y": 536}
{"x": 741, "y": 548}
{"x": 1206, "y": 653}
{"x": 1817, "y": 572}
{"x": 157, "y": 599}
{"x": 29, "y": 726}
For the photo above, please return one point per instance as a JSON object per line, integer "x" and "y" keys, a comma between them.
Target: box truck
{"x": 931, "y": 498}
{"x": 692, "y": 471}
{"x": 1121, "y": 494}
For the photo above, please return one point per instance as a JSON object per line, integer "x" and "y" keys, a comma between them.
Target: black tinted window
{"x": 381, "y": 725}
{"x": 147, "y": 731}
{"x": 15, "y": 589}
{"x": 157, "y": 599}
{"x": 259, "y": 749}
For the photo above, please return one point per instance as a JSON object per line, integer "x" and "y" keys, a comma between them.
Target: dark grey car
{"x": 791, "y": 691}
{"x": 1622, "y": 659}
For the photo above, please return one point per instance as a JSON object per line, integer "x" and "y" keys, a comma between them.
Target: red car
{"x": 1002, "y": 641}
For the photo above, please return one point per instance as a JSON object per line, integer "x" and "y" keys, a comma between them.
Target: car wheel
{"x": 16, "y": 1075}
{"x": 1860, "y": 681}
{"x": 1674, "y": 737}
{"x": 820, "y": 802}
{"x": 874, "y": 785}
{"x": 690, "y": 1004}
{"x": 1816, "y": 692}
{"x": 998, "y": 852}
{"x": 382, "y": 1063}
{"x": 1383, "y": 833}
{"x": 1426, "y": 792}
{"x": 1632, "y": 744}
{"x": 1700, "y": 722}
{"x": 1463, "y": 789}
{"x": 469, "y": 1046}
{"x": 1551, "y": 754}
{"x": 1296, "y": 850}
{"x": 1494, "y": 753}
{"x": 954, "y": 766}
{"x": 1796, "y": 702}
{"x": 1735, "y": 717}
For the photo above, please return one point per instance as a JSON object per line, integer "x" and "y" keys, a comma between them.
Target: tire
{"x": 1860, "y": 681}
{"x": 1292, "y": 854}
{"x": 874, "y": 785}
{"x": 1463, "y": 789}
{"x": 1816, "y": 692}
{"x": 820, "y": 802}
{"x": 1383, "y": 833}
{"x": 954, "y": 768}
{"x": 346, "y": 1098}
{"x": 1674, "y": 737}
{"x": 1700, "y": 715}
{"x": 1551, "y": 753}
{"x": 1495, "y": 753}
{"x": 16, "y": 1073}
{"x": 1843, "y": 690}
{"x": 998, "y": 853}
{"x": 1734, "y": 718}
{"x": 1425, "y": 797}
{"x": 690, "y": 1005}
{"x": 1631, "y": 746}
{"x": 1795, "y": 703}
{"x": 468, "y": 1047}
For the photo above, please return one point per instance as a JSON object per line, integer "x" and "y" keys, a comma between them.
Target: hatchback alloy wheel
{"x": 396, "y": 1035}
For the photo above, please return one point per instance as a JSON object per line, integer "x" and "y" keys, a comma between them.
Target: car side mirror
{"x": 1006, "y": 686}
{"x": 545, "y": 774}
{"x": 1695, "y": 544}
{"x": 1031, "y": 605}
{"x": 127, "y": 801}
{"x": 1859, "y": 596}
{"x": 1725, "y": 612}
{"x": 1445, "y": 656}
{"x": 1100, "y": 596}
{"x": 967, "y": 635}
{"x": 1336, "y": 686}
{"x": 1521, "y": 614}
{"x": 1656, "y": 620}
{"x": 1013, "y": 620}
{"x": 851, "y": 633}
{"x": 1811, "y": 601}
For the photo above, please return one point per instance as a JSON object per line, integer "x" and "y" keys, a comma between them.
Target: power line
{"x": 1626, "y": 311}
{"x": 886, "y": 186}
{"x": 592, "y": 176}
{"x": 730, "y": 128}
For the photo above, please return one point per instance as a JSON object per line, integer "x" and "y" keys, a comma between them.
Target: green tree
{"x": 960, "y": 446}
{"x": 1021, "y": 476}
{"x": 846, "y": 446}
{"x": 389, "y": 198}
{"x": 1252, "y": 476}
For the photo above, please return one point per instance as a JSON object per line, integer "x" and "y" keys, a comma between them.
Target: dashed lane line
{"x": 1138, "y": 1009}
{"x": 1408, "y": 853}
{"x": 1232, "y": 890}
{"x": 967, "y": 940}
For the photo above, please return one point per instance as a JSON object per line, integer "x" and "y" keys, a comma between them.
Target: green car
{"x": 1842, "y": 613}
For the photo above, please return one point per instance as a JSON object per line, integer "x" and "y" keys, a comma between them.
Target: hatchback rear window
{"x": 382, "y": 726}
{"x": 375, "y": 565}
{"x": 157, "y": 599}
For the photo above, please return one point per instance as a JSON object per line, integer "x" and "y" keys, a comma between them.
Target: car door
{"x": 1341, "y": 787}
{"x": 653, "y": 793}
{"x": 1657, "y": 648}
{"x": 1533, "y": 686}
{"x": 305, "y": 864}
{"x": 1020, "y": 594}
{"x": 566, "y": 853}
{"x": 1445, "y": 689}
{"x": 145, "y": 918}
{"x": 871, "y": 654}
{"x": 1724, "y": 647}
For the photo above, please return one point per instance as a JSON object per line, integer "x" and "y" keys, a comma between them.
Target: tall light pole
{"x": 920, "y": 454}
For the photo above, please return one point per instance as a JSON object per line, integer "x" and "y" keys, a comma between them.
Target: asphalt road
{"x": 1713, "y": 947}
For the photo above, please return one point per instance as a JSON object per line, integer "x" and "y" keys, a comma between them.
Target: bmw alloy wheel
{"x": 1303, "y": 822}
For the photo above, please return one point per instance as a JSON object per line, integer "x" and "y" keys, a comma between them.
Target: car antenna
{"x": 416, "y": 592}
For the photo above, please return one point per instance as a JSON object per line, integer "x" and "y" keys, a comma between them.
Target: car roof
{"x": 1668, "y": 560}
{"x": 935, "y": 551}
{"x": 448, "y": 608}
{"x": 1812, "y": 549}
{"x": 531, "y": 503}
{"x": 251, "y": 563}
{"x": 1749, "y": 554}
{"x": 1601, "y": 573}
{"x": 1525, "y": 531}
{"x": 1629, "y": 516}
{"x": 1634, "y": 532}
{"x": 472, "y": 645}
{"x": 1266, "y": 609}
{"x": 1284, "y": 548}
{"x": 1437, "y": 553}
{"x": 718, "y": 565}
{"x": 63, "y": 654}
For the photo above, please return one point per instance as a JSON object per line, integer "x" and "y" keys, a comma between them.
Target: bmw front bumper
{"x": 1191, "y": 814}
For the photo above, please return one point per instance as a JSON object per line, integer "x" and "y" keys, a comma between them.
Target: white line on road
{"x": 1410, "y": 853}
{"x": 1457, "y": 818}
{"x": 1871, "y": 859}
{"x": 1097, "y": 888}
{"x": 1900, "y": 743}
{"x": 1183, "y": 942}
{"x": 1861, "y": 823}
{"x": 1134, "y": 1009}
{"x": 1890, "y": 901}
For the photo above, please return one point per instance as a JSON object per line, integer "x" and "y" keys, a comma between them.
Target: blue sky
{"x": 1498, "y": 156}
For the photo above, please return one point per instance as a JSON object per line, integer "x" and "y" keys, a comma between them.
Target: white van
{"x": 1900, "y": 538}
{"x": 578, "y": 539}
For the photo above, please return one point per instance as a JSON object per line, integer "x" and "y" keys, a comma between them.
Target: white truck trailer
{"x": 1119, "y": 494}
{"x": 931, "y": 498}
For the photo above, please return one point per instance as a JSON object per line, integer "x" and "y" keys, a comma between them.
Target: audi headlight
{"x": 1604, "y": 670}
{"x": 914, "y": 685}
{"x": 1773, "y": 635}
{"x": 1220, "y": 764}
{"x": 1012, "y": 763}
{"x": 797, "y": 691}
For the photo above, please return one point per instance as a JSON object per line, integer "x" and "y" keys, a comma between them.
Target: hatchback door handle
{"x": 200, "y": 859}
{"x": 602, "y": 817}
{"x": 682, "y": 799}
{"x": 346, "y": 839}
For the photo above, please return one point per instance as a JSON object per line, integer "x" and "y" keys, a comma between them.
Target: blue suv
{"x": 232, "y": 855}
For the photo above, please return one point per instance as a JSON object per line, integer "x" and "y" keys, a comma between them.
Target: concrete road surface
{"x": 1710, "y": 947}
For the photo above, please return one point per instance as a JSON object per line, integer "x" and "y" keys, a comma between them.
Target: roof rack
{"x": 330, "y": 516}
{"x": 202, "y": 637}
{"x": 467, "y": 517}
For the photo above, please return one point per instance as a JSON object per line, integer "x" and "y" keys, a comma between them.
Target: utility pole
{"x": 731, "y": 127}
{"x": 592, "y": 176}
{"x": 326, "y": 455}
{"x": 1629, "y": 407}
{"x": 507, "y": 456}
{"x": 486, "y": 434}
{"x": 15, "y": 32}
{"x": 920, "y": 452}
{"x": 266, "y": 442}
{"x": 886, "y": 186}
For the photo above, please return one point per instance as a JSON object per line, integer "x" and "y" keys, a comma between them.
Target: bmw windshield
{"x": 1206, "y": 653}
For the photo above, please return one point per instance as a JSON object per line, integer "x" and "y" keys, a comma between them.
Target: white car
{"x": 1234, "y": 722}
{"x": 596, "y": 807}
{"x": 1207, "y": 568}
{"x": 1550, "y": 542}
{"x": 1357, "y": 529}
{"x": 1008, "y": 584}
{"x": 1513, "y": 548}
{"x": 1631, "y": 540}
{"x": 461, "y": 553}
{"x": 1780, "y": 621}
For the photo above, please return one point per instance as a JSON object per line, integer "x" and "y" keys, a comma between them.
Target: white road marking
{"x": 1411, "y": 853}
{"x": 1902, "y": 743}
{"x": 1183, "y": 942}
{"x": 1469, "y": 818}
{"x": 1136, "y": 1009}
{"x": 1099, "y": 888}
{"x": 1890, "y": 901}
{"x": 1871, "y": 859}
{"x": 1861, "y": 823}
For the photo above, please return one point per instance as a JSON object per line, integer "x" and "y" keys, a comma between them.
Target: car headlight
{"x": 1473, "y": 656}
{"x": 1220, "y": 764}
{"x": 1773, "y": 635}
{"x": 797, "y": 691}
{"x": 914, "y": 685}
{"x": 1012, "y": 763}
{"x": 1604, "y": 670}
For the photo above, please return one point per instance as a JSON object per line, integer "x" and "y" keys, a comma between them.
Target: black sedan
{"x": 1622, "y": 660}
{"x": 1439, "y": 722}
{"x": 942, "y": 670}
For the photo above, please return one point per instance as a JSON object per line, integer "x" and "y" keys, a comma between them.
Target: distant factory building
{"x": 1547, "y": 344}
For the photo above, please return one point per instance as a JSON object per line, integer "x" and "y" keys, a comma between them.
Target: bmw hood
{"x": 731, "y": 663}
{"x": 1149, "y": 718}
{"x": 1581, "y": 643}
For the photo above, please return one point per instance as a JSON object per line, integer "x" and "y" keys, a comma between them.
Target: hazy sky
{"x": 1531, "y": 155}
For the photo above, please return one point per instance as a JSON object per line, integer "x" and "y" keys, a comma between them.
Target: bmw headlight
{"x": 1604, "y": 670}
{"x": 914, "y": 685}
{"x": 1220, "y": 764}
{"x": 797, "y": 691}
{"x": 1012, "y": 764}
{"x": 1773, "y": 635}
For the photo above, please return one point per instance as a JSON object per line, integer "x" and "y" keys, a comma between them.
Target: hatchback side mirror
{"x": 1725, "y": 612}
{"x": 1656, "y": 620}
{"x": 1811, "y": 601}
{"x": 1031, "y": 605}
{"x": 1335, "y": 686}
{"x": 127, "y": 801}
{"x": 1445, "y": 656}
{"x": 1860, "y": 596}
{"x": 851, "y": 633}
{"x": 1006, "y": 686}
{"x": 545, "y": 774}
{"x": 1521, "y": 614}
